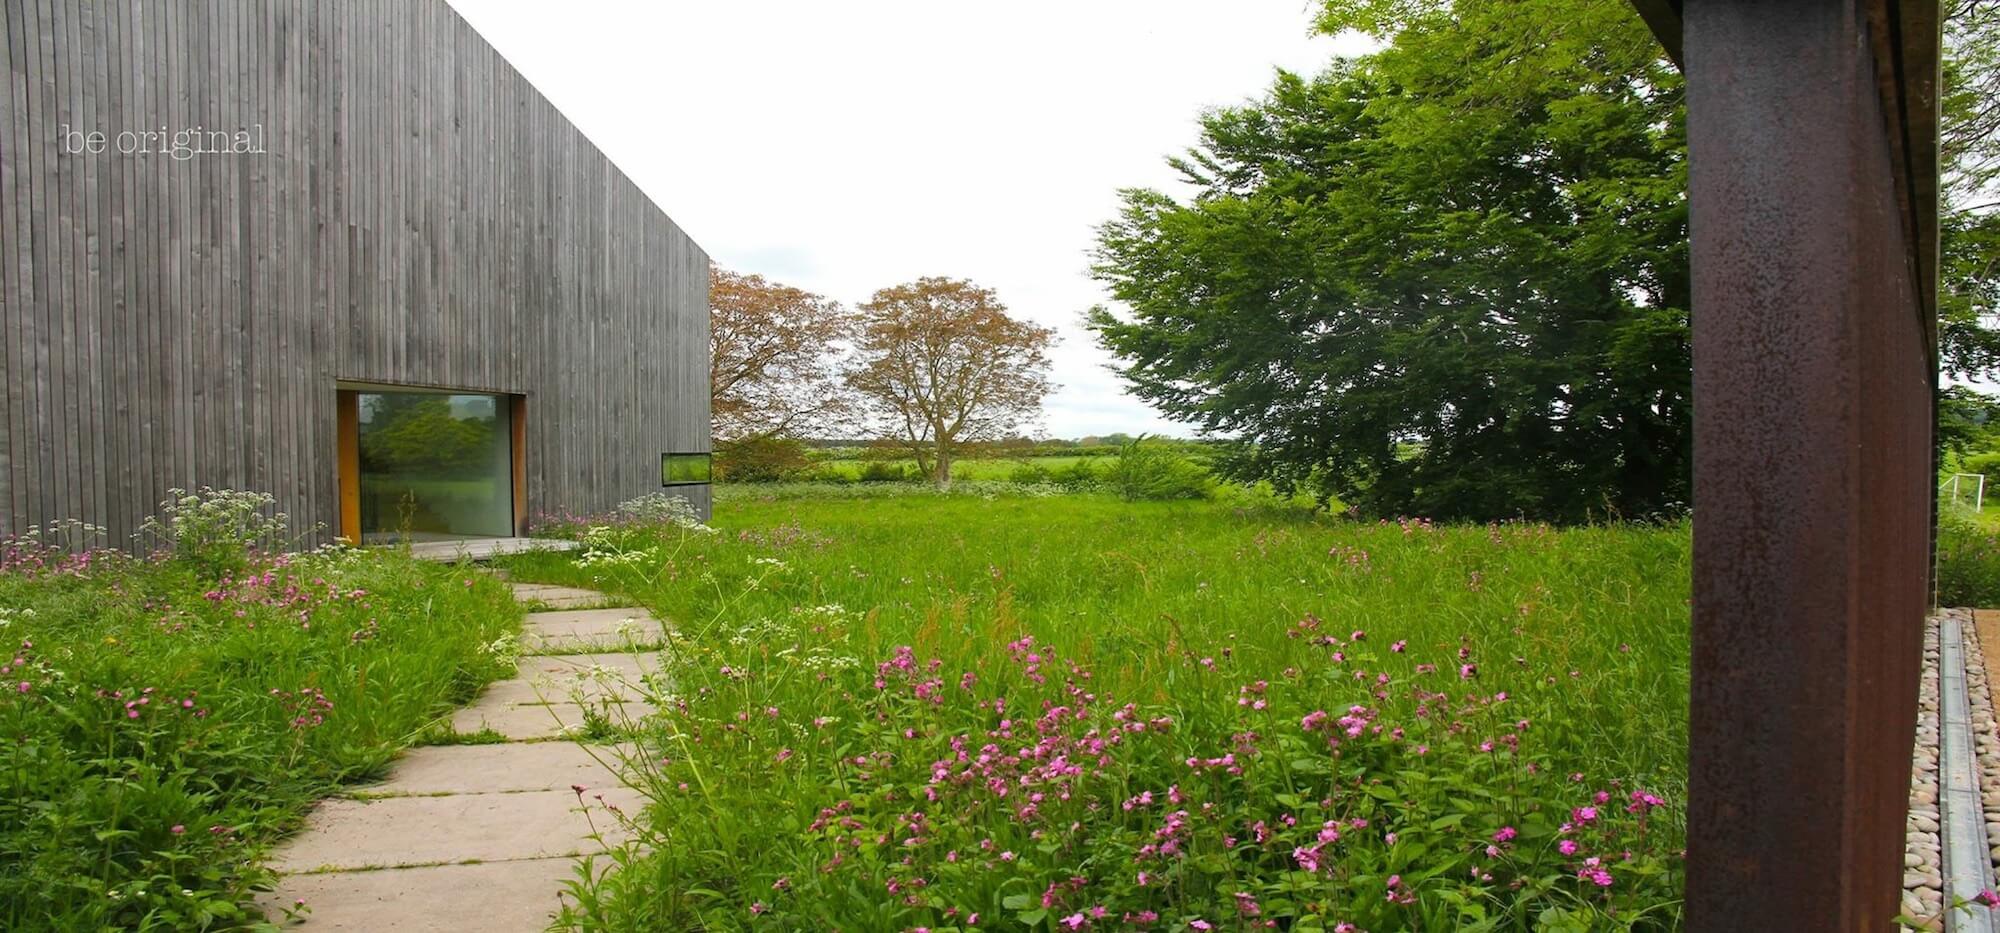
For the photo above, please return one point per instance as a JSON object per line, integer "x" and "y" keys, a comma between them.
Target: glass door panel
{"x": 435, "y": 465}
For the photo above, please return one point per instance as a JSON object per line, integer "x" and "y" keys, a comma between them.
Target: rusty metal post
{"x": 1812, "y": 465}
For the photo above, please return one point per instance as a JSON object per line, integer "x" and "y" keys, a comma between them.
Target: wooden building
{"x": 338, "y": 252}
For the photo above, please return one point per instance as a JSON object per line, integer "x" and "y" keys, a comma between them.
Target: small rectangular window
{"x": 685, "y": 469}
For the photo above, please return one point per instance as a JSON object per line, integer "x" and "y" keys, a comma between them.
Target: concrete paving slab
{"x": 587, "y": 629}
{"x": 489, "y": 769}
{"x": 528, "y": 723}
{"x": 560, "y": 597}
{"x": 489, "y": 897}
{"x": 567, "y": 678}
{"x": 630, "y": 664}
{"x": 402, "y": 831}
{"x": 547, "y": 689}
{"x": 479, "y": 837}
{"x": 576, "y": 602}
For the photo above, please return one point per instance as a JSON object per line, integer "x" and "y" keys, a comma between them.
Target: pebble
{"x": 1923, "y": 861}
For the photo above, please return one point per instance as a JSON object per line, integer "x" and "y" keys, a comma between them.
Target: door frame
{"x": 347, "y": 449}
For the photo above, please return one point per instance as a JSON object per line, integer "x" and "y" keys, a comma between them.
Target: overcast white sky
{"x": 844, "y": 147}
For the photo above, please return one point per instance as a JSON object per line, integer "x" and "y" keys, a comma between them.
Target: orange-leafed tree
{"x": 943, "y": 367}
{"x": 778, "y": 356}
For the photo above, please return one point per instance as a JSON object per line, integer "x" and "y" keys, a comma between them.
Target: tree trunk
{"x": 942, "y": 476}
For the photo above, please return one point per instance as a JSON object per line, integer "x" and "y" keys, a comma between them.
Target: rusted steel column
{"x": 1812, "y": 473}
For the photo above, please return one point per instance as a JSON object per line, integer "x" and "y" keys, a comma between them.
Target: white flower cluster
{"x": 608, "y": 559}
{"x": 191, "y": 522}
{"x": 661, "y": 508}
{"x": 66, "y": 533}
{"x": 506, "y": 648}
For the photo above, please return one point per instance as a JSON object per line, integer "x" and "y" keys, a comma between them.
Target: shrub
{"x": 761, "y": 459}
{"x": 1151, "y": 470}
{"x": 882, "y": 471}
{"x": 1029, "y": 474}
{"x": 1078, "y": 475}
{"x": 1986, "y": 463}
{"x": 1968, "y": 563}
{"x": 823, "y": 473}
{"x": 215, "y": 530}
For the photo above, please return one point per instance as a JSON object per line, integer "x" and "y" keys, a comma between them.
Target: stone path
{"x": 482, "y": 837}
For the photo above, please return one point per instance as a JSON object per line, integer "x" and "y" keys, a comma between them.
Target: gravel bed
{"x": 1985, "y": 732}
{"x": 1923, "y": 860}
{"x": 1923, "y": 863}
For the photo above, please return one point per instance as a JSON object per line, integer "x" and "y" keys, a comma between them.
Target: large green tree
{"x": 1969, "y": 225}
{"x": 1449, "y": 278}
{"x": 1446, "y": 279}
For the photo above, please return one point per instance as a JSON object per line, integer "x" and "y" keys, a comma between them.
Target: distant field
{"x": 982, "y": 469}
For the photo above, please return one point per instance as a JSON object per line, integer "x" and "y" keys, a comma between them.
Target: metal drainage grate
{"x": 1968, "y": 868}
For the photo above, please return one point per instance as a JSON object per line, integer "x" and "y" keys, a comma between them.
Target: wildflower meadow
{"x": 166, "y": 717}
{"x": 1067, "y": 711}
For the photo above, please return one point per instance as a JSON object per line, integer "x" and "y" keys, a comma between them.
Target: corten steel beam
{"x": 1813, "y": 388}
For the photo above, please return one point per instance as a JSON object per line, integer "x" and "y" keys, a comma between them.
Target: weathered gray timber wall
{"x": 418, "y": 214}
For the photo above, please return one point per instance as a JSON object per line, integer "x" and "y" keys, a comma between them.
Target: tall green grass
{"x": 1968, "y": 561}
{"x": 831, "y": 654}
{"x": 161, "y": 726}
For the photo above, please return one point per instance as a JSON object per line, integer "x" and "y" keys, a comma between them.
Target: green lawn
{"x": 896, "y": 712}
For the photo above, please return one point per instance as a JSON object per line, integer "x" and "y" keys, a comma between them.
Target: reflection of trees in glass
{"x": 412, "y": 433}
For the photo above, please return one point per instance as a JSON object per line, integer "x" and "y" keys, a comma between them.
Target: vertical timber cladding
{"x": 415, "y": 213}
{"x": 1812, "y": 155}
